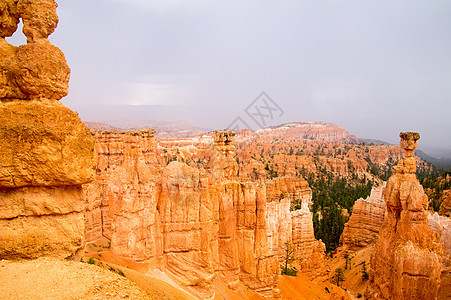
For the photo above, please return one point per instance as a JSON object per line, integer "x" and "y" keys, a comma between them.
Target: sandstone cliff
{"x": 407, "y": 259}
{"x": 199, "y": 223}
{"x": 367, "y": 217}
{"x": 46, "y": 153}
{"x": 309, "y": 130}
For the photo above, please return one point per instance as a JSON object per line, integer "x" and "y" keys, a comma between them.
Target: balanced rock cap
{"x": 410, "y": 135}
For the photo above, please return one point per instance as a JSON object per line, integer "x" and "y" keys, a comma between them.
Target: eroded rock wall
{"x": 367, "y": 217}
{"x": 199, "y": 224}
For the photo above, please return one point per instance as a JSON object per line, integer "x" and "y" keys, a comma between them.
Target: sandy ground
{"x": 155, "y": 283}
{"x": 47, "y": 278}
{"x": 353, "y": 275}
{"x": 301, "y": 288}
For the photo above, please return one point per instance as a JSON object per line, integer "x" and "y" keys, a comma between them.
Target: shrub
{"x": 289, "y": 271}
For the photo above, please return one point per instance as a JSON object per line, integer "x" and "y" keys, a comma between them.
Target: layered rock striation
{"x": 294, "y": 227}
{"x": 407, "y": 259}
{"x": 309, "y": 130}
{"x": 198, "y": 223}
{"x": 363, "y": 227}
{"x": 46, "y": 153}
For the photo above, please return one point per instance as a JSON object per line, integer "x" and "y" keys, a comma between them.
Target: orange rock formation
{"x": 199, "y": 222}
{"x": 407, "y": 259}
{"x": 309, "y": 130}
{"x": 46, "y": 153}
{"x": 367, "y": 217}
{"x": 294, "y": 227}
{"x": 445, "y": 207}
{"x": 442, "y": 225}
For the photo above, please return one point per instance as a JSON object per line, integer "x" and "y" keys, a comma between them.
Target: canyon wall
{"x": 406, "y": 262}
{"x": 198, "y": 223}
{"x": 46, "y": 152}
{"x": 367, "y": 217}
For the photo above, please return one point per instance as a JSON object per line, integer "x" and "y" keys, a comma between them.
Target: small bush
{"x": 289, "y": 271}
{"x": 359, "y": 295}
{"x": 327, "y": 289}
{"x": 91, "y": 261}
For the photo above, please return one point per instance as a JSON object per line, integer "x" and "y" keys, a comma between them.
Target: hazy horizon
{"x": 373, "y": 67}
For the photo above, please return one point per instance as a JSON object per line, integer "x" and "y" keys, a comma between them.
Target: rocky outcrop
{"x": 199, "y": 223}
{"x": 43, "y": 144}
{"x": 294, "y": 189}
{"x": 367, "y": 217}
{"x": 46, "y": 153}
{"x": 445, "y": 207}
{"x": 295, "y": 227}
{"x": 310, "y": 253}
{"x": 442, "y": 225}
{"x": 407, "y": 259}
{"x": 121, "y": 202}
{"x": 224, "y": 141}
{"x": 37, "y": 70}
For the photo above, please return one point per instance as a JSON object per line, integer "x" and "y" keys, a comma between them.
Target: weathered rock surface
{"x": 445, "y": 207}
{"x": 199, "y": 223}
{"x": 58, "y": 236}
{"x": 224, "y": 141}
{"x": 37, "y": 70}
{"x": 40, "y": 201}
{"x": 442, "y": 225}
{"x": 46, "y": 153}
{"x": 367, "y": 217}
{"x": 39, "y": 18}
{"x": 8, "y": 18}
{"x": 123, "y": 194}
{"x": 43, "y": 144}
{"x": 41, "y": 71}
{"x": 407, "y": 259}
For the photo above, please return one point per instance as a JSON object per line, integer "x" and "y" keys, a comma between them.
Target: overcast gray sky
{"x": 373, "y": 67}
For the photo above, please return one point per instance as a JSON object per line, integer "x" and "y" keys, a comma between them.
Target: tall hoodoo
{"x": 46, "y": 153}
{"x": 224, "y": 142}
{"x": 406, "y": 261}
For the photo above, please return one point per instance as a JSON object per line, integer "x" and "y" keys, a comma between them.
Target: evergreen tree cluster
{"x": 381, "y": 171}
{"x": 435, "y": 184}
{"x": 339, "y": 276}
{"x": 331, "y": 194}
